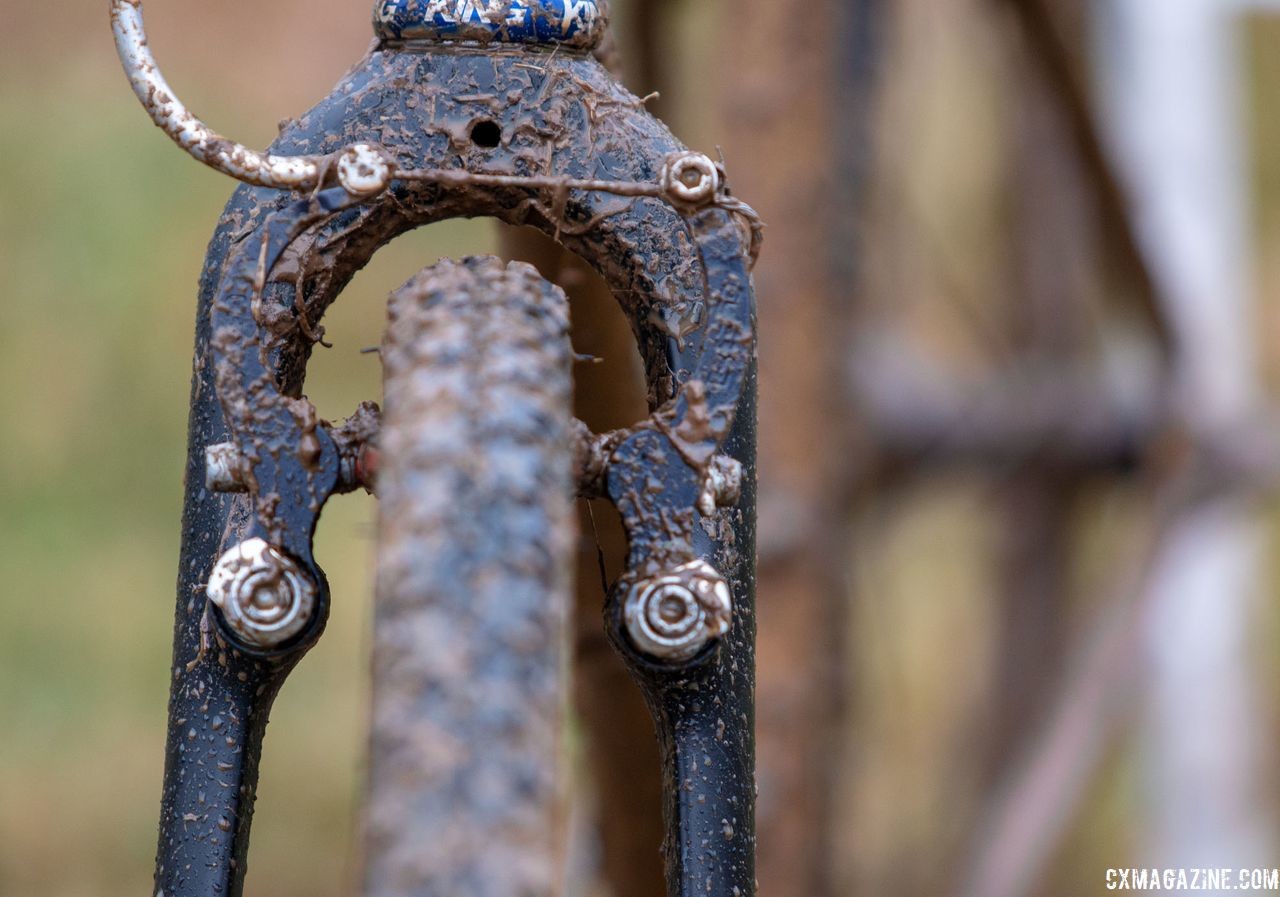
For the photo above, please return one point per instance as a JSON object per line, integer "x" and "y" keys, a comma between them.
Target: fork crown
{"x": 578, "y": 24}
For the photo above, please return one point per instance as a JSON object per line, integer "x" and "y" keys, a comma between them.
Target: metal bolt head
{"x": 722, "y": 486}
{"x": 264, "y": 596}
{"x": 363, "y": 170}
{"x": 673, "y": 616}
{"x": 690, "y": 179}
{"x": 225, "y": 469}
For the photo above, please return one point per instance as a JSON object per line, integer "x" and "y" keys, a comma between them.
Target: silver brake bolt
{"x": 225, "y": 469}
{"x": 690, "y": 179}
{"x": 264, "y": 595}
{"x": 673, "y": 616}
{"x": 722, "y": 486}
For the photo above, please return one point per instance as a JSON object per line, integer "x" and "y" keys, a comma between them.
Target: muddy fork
{"x": 469, "y": 109}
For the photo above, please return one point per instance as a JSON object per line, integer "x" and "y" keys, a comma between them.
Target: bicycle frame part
{"x": 424, "y": 129}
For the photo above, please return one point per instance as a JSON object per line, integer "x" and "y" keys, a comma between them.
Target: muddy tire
{"x": 475, "y": 537}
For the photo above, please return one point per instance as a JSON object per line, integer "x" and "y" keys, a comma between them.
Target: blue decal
{"x": 575, "y": 23}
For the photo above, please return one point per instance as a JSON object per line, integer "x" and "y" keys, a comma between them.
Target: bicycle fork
{"x": 459, "y": 113}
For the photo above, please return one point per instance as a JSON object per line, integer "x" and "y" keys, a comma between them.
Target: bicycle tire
{"x": 475, "y": 540}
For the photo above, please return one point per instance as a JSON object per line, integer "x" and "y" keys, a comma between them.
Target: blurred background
{"x": 1019, "y": 442}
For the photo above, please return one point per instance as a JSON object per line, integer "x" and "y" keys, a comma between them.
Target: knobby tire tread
{"x": 475, "y": 538}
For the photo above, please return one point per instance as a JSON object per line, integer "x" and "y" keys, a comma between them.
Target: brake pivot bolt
{"x": 264, "y": 595}
{"x": 673, "y": 616}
